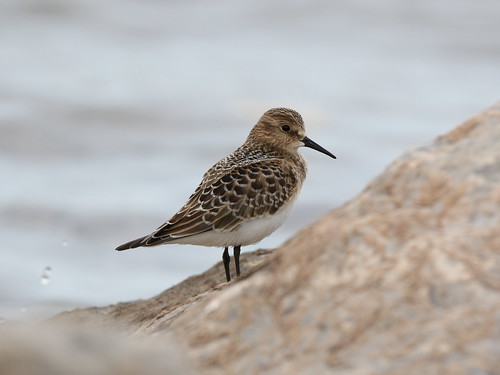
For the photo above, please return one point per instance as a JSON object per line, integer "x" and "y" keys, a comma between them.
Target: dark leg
{"x": 226, "y": 259}
{"x": 236, "y": 253}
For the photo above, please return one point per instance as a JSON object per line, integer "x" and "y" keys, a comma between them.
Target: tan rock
{"x": 62, "y": 350}
{"x": 403, "y": 279}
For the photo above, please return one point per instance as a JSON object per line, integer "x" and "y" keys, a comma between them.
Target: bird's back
{"x": 251, "y": 183}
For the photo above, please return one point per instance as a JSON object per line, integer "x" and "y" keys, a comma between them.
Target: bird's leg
{"x": 236, "y": 253}
{"x": 226, "y": 259}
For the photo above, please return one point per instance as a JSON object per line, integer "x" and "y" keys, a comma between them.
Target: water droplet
{"x": 45, "y": 278}
{"x": 23, "y": 310}
{"x": 65, "y": 243}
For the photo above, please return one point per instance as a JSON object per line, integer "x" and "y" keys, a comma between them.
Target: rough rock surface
{"x": 403, "y": 279}
{"x": 141, "y": 316}
{"x": 74, "y": 350}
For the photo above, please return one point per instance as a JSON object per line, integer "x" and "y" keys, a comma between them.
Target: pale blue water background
{"x": 110, "y": 112}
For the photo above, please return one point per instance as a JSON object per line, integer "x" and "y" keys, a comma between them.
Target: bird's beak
{"x": 311, "y": 144}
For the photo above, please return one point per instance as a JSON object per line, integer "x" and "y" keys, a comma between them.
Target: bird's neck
{"x": 266, "y": 151}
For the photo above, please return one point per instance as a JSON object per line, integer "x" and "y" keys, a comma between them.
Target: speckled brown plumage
{"x": 245, "y": 196}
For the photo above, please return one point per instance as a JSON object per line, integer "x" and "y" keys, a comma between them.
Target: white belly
{"x": 248, "y": 233}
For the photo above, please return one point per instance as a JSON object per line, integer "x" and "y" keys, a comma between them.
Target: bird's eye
{"x": 285, "y": 128}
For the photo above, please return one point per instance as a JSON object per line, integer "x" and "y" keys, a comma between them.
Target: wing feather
{"x": 222, "y": 202}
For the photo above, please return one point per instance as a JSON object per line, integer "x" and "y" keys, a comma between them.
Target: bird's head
{"x": 283, "y": 128}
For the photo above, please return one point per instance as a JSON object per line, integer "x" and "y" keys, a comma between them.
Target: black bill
{"x": 315, "y": 146}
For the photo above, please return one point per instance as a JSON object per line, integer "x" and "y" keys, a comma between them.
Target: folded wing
{"x": 223, "y": 201}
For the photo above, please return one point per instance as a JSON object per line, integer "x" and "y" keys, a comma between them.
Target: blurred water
{"x": 110, "y": 112}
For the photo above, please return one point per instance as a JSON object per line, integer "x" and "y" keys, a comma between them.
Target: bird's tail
{"x": 133, "y": 244}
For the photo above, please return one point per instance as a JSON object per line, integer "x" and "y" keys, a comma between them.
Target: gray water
{"x": 110, "y": 112}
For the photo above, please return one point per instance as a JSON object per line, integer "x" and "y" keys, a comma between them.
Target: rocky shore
{"x": 402, "y": 279}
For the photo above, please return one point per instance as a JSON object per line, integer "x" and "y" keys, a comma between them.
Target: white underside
{"x": 248, "y": 233}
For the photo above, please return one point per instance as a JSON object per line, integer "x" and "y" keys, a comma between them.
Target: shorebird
{"x": 247, "y": 195}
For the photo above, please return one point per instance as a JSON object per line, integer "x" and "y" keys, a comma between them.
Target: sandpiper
{"x": 247, "y": 195}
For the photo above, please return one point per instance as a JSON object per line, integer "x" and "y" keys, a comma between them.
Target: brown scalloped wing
{"x": 248, "y": 191}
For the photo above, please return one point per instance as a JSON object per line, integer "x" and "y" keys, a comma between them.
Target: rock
{"x": 138, "y": 317}
{"x": 62, "y": 350}
{"x": 96, "y": 340}
{"x": 403, "y": 279}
